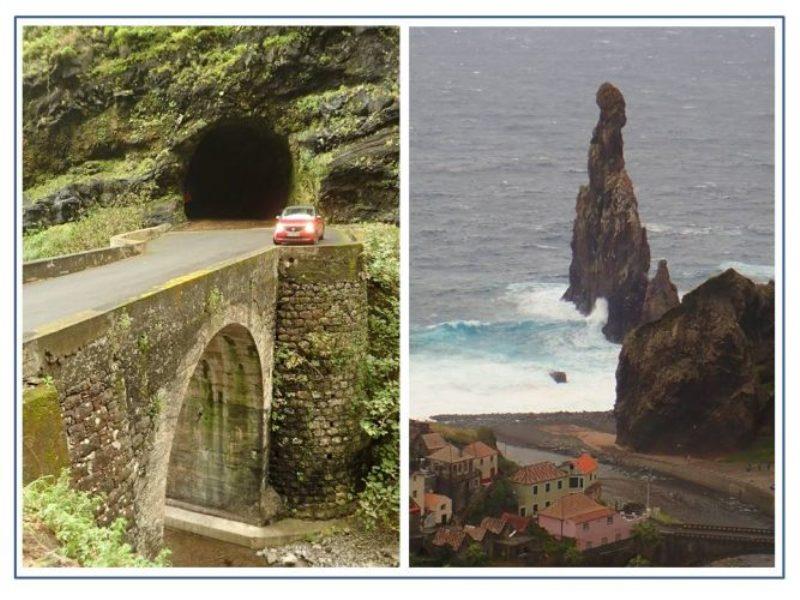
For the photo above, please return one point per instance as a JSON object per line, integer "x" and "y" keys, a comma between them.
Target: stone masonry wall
{"x": 121, "y": 378}
{"x": 321, "y": 333}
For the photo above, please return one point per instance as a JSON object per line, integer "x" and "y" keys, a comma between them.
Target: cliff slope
{"x": 701, "y": 378}
{"x": 114, "y": 115}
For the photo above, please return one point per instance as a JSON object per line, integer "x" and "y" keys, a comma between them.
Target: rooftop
{"x": 479, "y": 450}
{"x": 434, "y": 501}
{"x": 576, "y": 507}
{"x": 449, "y": 454}
{"x": 585, "y": 463}
{"x": 449, "y": 536}
{"x": 433, "y": 441}
{"x": 537, "y": 473}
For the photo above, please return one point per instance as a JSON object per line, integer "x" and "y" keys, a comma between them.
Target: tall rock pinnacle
{"x": 661, "y": 296}
{"x": 610, "y": 253}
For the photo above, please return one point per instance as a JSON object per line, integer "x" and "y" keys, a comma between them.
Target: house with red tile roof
{"x": 517, "y": 522}
{"x": 589, "y": 523}
{"x": 438, "y": 510}
{"x": 452, "y": 538}
{"x": 485, "y": 459}
{"x": 537, "y": 486}
{"x": 583, "y": 475}
{"x": 456, "y": 475}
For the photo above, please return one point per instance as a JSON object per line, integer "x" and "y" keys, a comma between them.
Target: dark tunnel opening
{"x": 238, "y": 171}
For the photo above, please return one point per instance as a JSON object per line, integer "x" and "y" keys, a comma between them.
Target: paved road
{"x": 172, "y": 255}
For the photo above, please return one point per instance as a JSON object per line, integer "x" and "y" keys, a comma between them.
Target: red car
{"x": 299, "y": 224}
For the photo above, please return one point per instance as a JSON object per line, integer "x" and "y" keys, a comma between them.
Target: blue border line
{"x": 404, "y": 17}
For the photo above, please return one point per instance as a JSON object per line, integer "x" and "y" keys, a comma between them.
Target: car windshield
{"x": 290, "y": 211}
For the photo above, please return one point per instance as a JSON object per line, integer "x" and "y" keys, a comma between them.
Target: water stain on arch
{"x": 218, "y": 458}
{"x": 239, "y": 169}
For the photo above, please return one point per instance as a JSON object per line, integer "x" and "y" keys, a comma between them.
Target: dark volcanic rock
{"x": 661, "y": 296}
{"x": 558, "y": 376}
{"x": 141, "y": 100}
{"x": 610, "y": 253}
{"x": 700, "y": 379}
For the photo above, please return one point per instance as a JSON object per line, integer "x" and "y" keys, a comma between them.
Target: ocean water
{"x": 500, "y": 125}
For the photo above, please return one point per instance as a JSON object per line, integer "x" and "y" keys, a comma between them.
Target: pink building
{"x": 589, "y": 523}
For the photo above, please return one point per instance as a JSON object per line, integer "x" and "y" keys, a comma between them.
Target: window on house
{"x": 521, "y": 511}
{"x": 535, "y": 508}
{"x": 535, "y": 490}
{"x": 443, "y": 506}
{"x": 546, "y": 504}
{"x": 574, "y": 482}
{"x": 610, "y": 520}
{"x": 414, "y": 494}
{"x": 546, "y": 487}
{"x": 586, "y": 526}
{"x": 481, "y": 461}
{"x": 559, "y": 484}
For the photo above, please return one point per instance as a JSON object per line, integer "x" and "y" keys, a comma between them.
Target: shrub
{"x": 70, "y": 515}
{"x": 91, "y": 231}
{"x": 379, "y": 502}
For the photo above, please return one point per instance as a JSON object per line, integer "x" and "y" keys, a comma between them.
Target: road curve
{"x": 172, "y": 255}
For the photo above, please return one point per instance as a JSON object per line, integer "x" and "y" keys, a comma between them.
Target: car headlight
{"x": 309, "y": 227}
{"x": 279, "y": 228}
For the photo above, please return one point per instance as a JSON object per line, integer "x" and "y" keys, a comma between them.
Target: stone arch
{"x": 217, "y": 460}
{"x": 151, "y": 491}
{"x": 237, "y": 168}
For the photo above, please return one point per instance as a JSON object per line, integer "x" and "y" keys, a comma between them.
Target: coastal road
{"x": 172, "y": 255}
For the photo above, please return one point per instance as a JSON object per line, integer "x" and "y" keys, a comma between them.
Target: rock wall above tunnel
{"x": 124, "y": 108}
{"x": 320, "y": 349}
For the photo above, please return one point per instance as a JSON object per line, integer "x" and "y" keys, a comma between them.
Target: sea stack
{"x": 610, "y": 253}
{"x": 661, "y": 296}
{"x": 700, "y": 380}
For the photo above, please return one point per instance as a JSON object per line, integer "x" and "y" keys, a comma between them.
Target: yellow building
{"x": 484, "y": 459}
{"x": 538, "y": 486}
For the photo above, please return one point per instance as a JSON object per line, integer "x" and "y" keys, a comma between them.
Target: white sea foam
{"x": 469, "y": 367}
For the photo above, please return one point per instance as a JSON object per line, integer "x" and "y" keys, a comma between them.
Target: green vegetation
{"x": 473, "y": 556}
{"x": 639, "y": 561}
{"x": 91, "y": 231}
{"x": 308, "y": 172}
{"x": 70, "y": 515}
{"x": 379, "y": 502}
{"x": 761, "y": 451}
{"x": 461, "y": 436}
{"x": 499, "y": 498}
{"x": 91, "y": 170}
{"x": 646, "y": 535}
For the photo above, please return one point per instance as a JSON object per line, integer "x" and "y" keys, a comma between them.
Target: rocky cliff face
{"x": 610, "y": 253}
{"x": 700, "y": 379}
{"x": 115, "y": 112}
{"x": 661, "y": 296}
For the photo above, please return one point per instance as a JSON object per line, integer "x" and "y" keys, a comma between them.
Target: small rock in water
{"x": 559, "y": 376}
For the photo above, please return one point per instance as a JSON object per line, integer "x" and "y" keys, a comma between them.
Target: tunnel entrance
{"x": 217, "y": 464}
{"x": 239, "y": 170}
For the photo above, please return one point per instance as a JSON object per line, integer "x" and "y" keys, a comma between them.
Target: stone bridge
{"x": 212, "y": 390}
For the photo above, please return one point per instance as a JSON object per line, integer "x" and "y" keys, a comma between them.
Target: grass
{"x": 90, "y": 232}
{"x": 70, "y": 515}
{"x": 762, "y": 450}
{"x": 89, "y": 171}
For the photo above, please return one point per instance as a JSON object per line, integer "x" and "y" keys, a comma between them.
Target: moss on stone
{"x": 44, "y": 441}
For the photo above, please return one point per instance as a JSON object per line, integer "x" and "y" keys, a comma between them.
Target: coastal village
{"x": 471, "y": 506}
